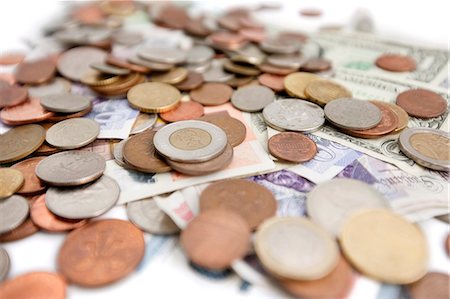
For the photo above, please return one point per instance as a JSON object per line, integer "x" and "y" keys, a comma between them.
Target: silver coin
{"x": 155, "y": 66}
{"x": 127, "y": 38}
{"x": 280, "y": 46}
{"x": 109, "y": 69}
{"x": 14, "y": 211}
{"x": 294, "y": 115}
{"x": 149, "y": 217}
{"x": 82, "y": 202}
{"x": 5, "y": 264}
{"x": 163, "y": 55}
{"x": 190, "y": 141}
{"x": 249, "y": 54}
{"x": 286, "y": 60}
{"x": 352, "y": 114}
{"x": 199, "y": 68}
{"x": 199, "y": 55}
{"x": 216, "y": 73}
{"x": 75, "y": 63}
{"x": 252, "y": 98}
{"x": 73, "y": 133}
{"x": 329, "y": 204}
{"x": 71, "y": 168}
{"x": 65, "y": 102}
{"x": 118, "y": 152}
{"x": 55, "y": 86}
{"x": 149, "y": 123}
{"x": 427, "y": 147}
{"x": 83, "y": 34}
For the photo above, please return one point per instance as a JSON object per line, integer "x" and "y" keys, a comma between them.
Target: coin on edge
{"x": 154, "y": 97}
{"x": 11, "y": 180}
{"x": 14, "y": 211}
{"x": 20, "y": 142}
{"x": 292, "y": 147}
{"x": 34, "y": 285}
{"x": 73, "y": 133}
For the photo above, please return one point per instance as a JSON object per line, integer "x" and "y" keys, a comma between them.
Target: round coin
{"x": 154, "y": 97}
{"x": 34, "y": 285}
{"x": 184, "y": 111}
{"x": 275, "y": 82}
{"x": 76, "y": 62}
{"x": 14, "y": 211}
{"x": 284, "y": 256}
{"x": 296, "y": 83}
{"x": 211, "y": 94}
{"x": 215, "y": 239}
{"x": 71, "y": 168}
{"x": 215, "y": 73}
{"x": 35, "y": 72}
{"x": 199, "y": 54}
{"x": 174, "y": 76}
{"x": 432, "y": 285}
{"x": 402, "y": 117}
{"x": 109, "y": 69}
{"x": 323, "y": 91}
{"x": 5, "y": 264}
{"x": 292, "y": 147}
{"x": 427, "y": 147}
{"x": 88, "y": 253}
{"x": 20, "y": 141}
{"x": 55, "y": 86}
{"x": 286, "y": 60}
{"x": 316, "y": 65}
{"x": 32, "y": 184}
{"x": 10, "y": 181}
{"x": 146, "y": 214}
{"x": 73, "y": 133}
{"x": 192, "y": 81}
{"x": 272, "y": 69}
{"x": 383, "y": 245}
{"x": 422, "y": 103}
{"x": 12, "y": 95}
{"x": 143, "y": 122}
{"x": 352, "y": 114}
{"x": 396, "y": 63}
{"x": 65, "y": 102}
{"x": 163, "y": 55}
{"x": 28, "y": 112}
{"x": 280, "y": 45}
{"x": 26, "y": 229}
{"x": 252, "y": 98}
{"x": 234, "y": 128}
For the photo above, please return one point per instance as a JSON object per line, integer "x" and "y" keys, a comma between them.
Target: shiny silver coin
{"x": 149, "y": 217}
{"x": 65, "y": 102}
{"x": 71, "y": 168}
{"x": 292, "y": 61}
{"x": 280, "y": 46}
{"x": 199, "y": 55}
{"x": 87, "y": 201}
{"x": 216, "y": 73}
{"x": 148, "y": 124}
{"x": 109, "y": 69}
{"x": 73, "y": 133}
{"x": 118, "y": 153}
{"x": 13, "y": 211}
{"x": 352, "y": 114}
{"x": 55, "y": 86}
{"x": 294, "y": 115}
{"x": 252, "y": 98}
{"x": 75, "y": 63}
{"x": 5, "y": 264}
{"x": 155, "y": 66}
{"x": 190, "y": 141}
{"x": 427, "y": 147}
{"x": 329, "y": 204}
{"x": 163, "y": 55}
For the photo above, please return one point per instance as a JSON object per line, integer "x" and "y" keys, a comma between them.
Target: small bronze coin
{"x": 34, "y": 285}
{"x": 184, "y": 111}
{"x": 275, "y": 82}
{"x": 12, "y": 95}
{"x": 101, "y": 252}
{"x": 316, "y": 65}
{"x": 192, "y": 81}
{"x": 396, "y": 63}
{"x": 402, "y": 117}
{"x": 35, "y": 72}
{"x": 234, "y": 128}
{"x": 250, "y": 200}
{"x": 292, "y": 147}
{"x": 20, "y": 142}
{"x": 140, "y": 153}
{"x": 32, "y": 184}
{"x": 216, "y": 238}
{"x": 174, "y": 76}
{"x": 422, "y": 103}
{"x": 227, "y": 40}
{"x": 211, "y": 94}
{"x": 28, "y": 112}
{"x": 24, "y": 230}
{"x": 432, "y": 286}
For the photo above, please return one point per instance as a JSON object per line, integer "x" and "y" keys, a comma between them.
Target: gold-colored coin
{"x": 385, "y": 246}
{"x": 403, "y": 117}
{"x": 295, "y": 83}
{"x": 241, "y": 69}
{"x": 121, "y": 86}
{"x": 10, "y": 181}
{"x": 322, "y": 92}
{"x": 95, "y": 78}
{"x": 173, "y": 76}
{"x": 154, "y": 97}
{"x": 431, "y": 145}
{"x": 20, "y": 142}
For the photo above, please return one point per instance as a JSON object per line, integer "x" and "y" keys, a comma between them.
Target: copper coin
{"x": 310, "y": 12}
{"x": 432, "y": 286}
{"x": 12, "y": 95}
{"x": 184, "y": 111}
{"x": 216, "y": 238}
{"x": 4, "y": 83}
{"x": 402, "y": 117}
{"x": 234, "y": 128}
{"x": 275, "y": 82}
{"x": 422, "y": 103}
{"x": 32, "y": 184}
{"x": 253, "y": 34}
{"x": 292, "y": 147}
{"x": 227, "y": 39}
{"x": 337, "y": 284}
{"x": 116, "y": 61}
{"x": 197, "y": 28}
{"x": 24, "y": 230}
{"x": 316, "y": 65}
{"x": 28, "y": 112}
{"x": 192, "y": 81}
{"x": 388, "y": 123}
{"x": 11, "y": 58}
{"x": 36, "y": 285}
{"x": 48, "y": 221}
{"x": 101, "y": 252}
{"x": 35, "y": 72}
{"x": 140, "y": 153}
{"x": 276, "y": 70}
{"x": 202, "y": 168}
{"x": 211, "y": 94}
{"x": 396, "y": 63}
{"x": 252, "y": 201}
{"x": 8, "y": 78}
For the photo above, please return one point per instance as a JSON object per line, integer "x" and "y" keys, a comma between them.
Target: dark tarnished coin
{"x": 396, "y": 63}
{"x": 73, "y": 133}
{"x": 20, "y": 142}
{"x": 65, "y": 102}
{"x": 211, "y": 94}
{"x": 252, "y": 98}
{"x": 292, "y": 147}
{"x": 5, "y": 264}
{"x": 35, "y": 72}
{"x": 234, "y": 128}
{"x": 32, "y": 185}
{"x": 14, "y": 211}
{"x": 352, "y": 114}
{"x": 34, "y": 285}
{"x": 422, "y": 103}
{"x": 433, "y": 285}
{"x": 185, "y": 111}
{"x": 12, "y": 95}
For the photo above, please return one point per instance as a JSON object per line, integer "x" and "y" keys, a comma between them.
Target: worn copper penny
{"x": 12, "y": 95}
{"x": 116, "y": 61}
{"x": 216, "y": 238}
{"x": 396, "y": 63}
{"x": 32, "y": 184}
{"x": 101, "y": 252}
{"x": 275, "y": 82}
{"x": 140, "y": 153}
{"x": 316, "y": 65}
{"x": 28, "y": 112}
{"x": 20, "y": 141}
{"x": 252, "y": 201}
{"x": 36, "y": 285}
{"x": 48, "y": 221}
{"x": 35, "y": 72}
{"x": 24, "y": 230}
{"x": 292, "y": 147}
{"x": 192, "y": 81}
{"x": 211, "y": 94}
{"x": 402, "y": 117}
{"x": 433, "y": 285}
{"x": 184, "y": 111}
{"x": 422, "y": 103}
{"x": 234, "y": 128}
{"x": 10, "y": 58}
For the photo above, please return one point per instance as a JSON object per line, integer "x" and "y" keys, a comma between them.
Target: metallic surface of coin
{"x": 275, "y": 82}
{"x": 11, "y": 180}
{"x": 73, "y": 133}
{"x": 252, "y": 98}
{"x": 275, "y": 70}
{"x": 192, "y": 81}
{"x": 34, "y": 285}
{"x": 20, "y": 141}
{"x": 143, "y": 122}
{"x": 285, "y": 257}
{"x": 146, "y": 215}
{"x": 154, "y": 97}
{"x": 385, "y": 246}
{"x": 117, "y": 149}
{"x": 296, "y": 83}
{"x": 32, "y": 184}
{"x": 163, "y": 55}
{"x": 122, "y": 63}
{"x": 322, "y": 92}
{"x": 14, "y": 211}
{"x": 55, "y": 86}
{"x": 87, "y": 254}
{"x": 216, "y": 73}
{"x": 5, "y": 264}
{"x": 190, "y": 141}
{"x": 211, "y": 94}
{"x": 57, "y": 117}
{"x": 240, "y": 69}
{"x": 352, "y": 114}
{"x": 199, "y": 54}
{"x": 427, "y": 147}
{"x": 151, "y": 65}
{"x": 214, "y": 239}
{"x": 294, "y": 115}
{"x": 402, "y": 117}
{"x": 286, "y": 60}
{"x": 26, "y": 229}
{"x": 280, "y": 45}
{"x": 432, "y": 285}
{"x": 396, "y": 63}
{"x": 27, "y": 112}
{"x": 71, "y": 168}
{"x": 12, "y": 95}
{"x": 422, "y": 103}
{"x": 75, "y": 63}
{"x": 316, "y": 65}
{"x": 174, "y": 76}
{"x": 292, "y": 147}
{"x": 65, "y": 102}
{"x": 234, "y": 128}
{"x": 35, "y": 72}
{"x": 185, "y": 111}
{"x": 109, "y": 69}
